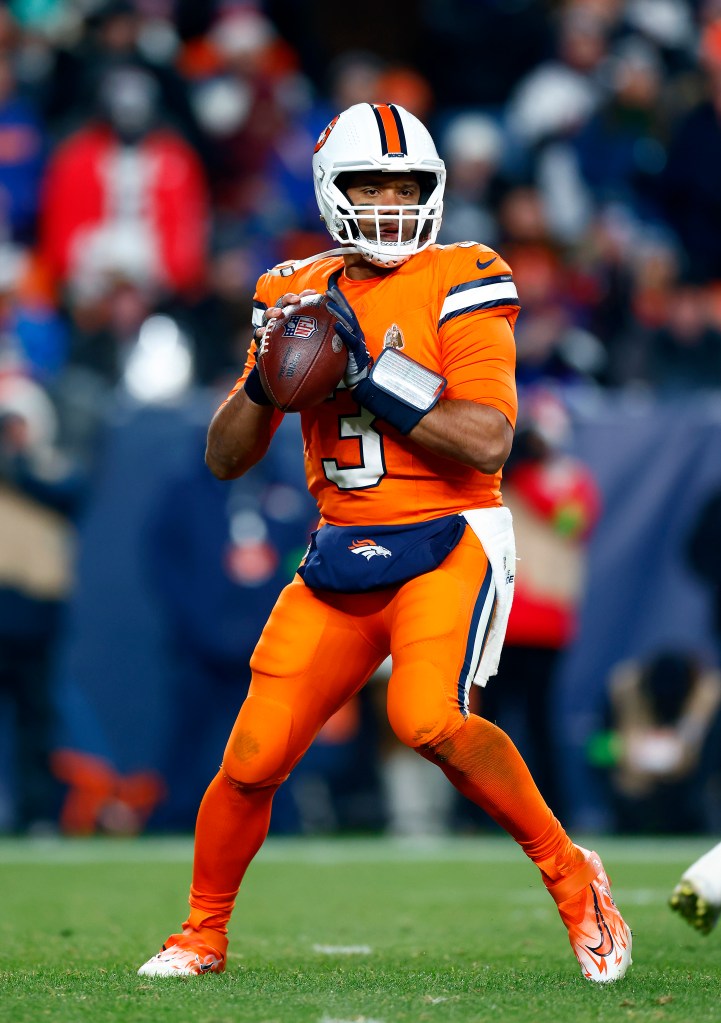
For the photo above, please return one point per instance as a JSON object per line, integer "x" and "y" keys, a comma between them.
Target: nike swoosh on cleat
{"x": 605, "y": 946}
{"x": 482, "y": 266}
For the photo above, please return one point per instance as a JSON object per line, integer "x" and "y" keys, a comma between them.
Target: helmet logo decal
{"x": 394, "y": 337}
{"x": 323, "y": 137}
{"x": 390, "y": 126}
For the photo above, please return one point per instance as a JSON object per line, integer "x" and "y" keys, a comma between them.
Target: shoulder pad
{"x": 472, "y": 259}
{"x": 284, "y": 269}
{"x": 476, "y": 280}
{"x": 291, "y": 266}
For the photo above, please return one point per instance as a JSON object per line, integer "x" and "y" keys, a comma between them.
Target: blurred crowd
{"x": 155, "y": 159}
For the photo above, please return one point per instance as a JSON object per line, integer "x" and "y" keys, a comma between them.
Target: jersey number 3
{"x": 371, "y": 468}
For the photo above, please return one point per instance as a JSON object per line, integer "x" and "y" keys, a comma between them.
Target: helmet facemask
{"x": 388, "y": 235}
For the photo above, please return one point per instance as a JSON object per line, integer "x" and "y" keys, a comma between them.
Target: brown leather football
{"x": 301, "y": 359}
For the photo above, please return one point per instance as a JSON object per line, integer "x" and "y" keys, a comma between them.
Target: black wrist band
{"x": 254, "y": 389}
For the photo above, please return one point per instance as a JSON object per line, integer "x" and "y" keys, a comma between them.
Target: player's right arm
{"x": 241, "y": 430}
{"x": 239, "y": 435}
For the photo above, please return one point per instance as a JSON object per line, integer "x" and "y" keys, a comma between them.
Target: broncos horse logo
{"x": 369, "y": 549}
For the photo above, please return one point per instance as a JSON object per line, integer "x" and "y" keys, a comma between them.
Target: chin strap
{"x": 289, "y": 268}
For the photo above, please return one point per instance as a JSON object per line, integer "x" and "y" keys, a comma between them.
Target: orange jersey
{"x": 451, "y": 308}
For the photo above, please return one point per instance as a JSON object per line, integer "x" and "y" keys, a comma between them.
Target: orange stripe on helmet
{"x": 393, "y": 139}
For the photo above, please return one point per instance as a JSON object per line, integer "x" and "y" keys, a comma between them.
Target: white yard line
{"x": 356, "y": 1019}
{"x": 343, "y": 950}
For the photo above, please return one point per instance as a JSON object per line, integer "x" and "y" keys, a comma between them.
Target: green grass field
{"x": 342, "y": 930}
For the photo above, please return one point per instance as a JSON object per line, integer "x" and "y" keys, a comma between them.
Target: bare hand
{"x": 291, "y": 298}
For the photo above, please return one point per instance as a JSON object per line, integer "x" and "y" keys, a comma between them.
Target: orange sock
{"x": 231, "y": 827}
{"x": 485, "y": 766}
{"x": 553, "y": 852}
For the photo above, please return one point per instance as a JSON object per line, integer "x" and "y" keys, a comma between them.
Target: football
{"x": 301, "y": 359}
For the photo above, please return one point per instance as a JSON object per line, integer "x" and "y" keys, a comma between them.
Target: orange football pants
{"x": 316, "y": 651}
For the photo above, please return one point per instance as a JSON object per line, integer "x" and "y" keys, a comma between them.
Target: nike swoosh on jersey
{"x": 482, "y": 266}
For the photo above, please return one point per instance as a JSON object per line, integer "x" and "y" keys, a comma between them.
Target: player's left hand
{"x": 253, "y": 387}
{"x": 272, "y": 313}
{"x": 351, "y": 334}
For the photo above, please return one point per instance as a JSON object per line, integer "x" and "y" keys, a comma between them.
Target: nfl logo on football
{"x": 300, "y": 326}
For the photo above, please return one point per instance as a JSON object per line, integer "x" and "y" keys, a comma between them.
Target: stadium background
{"x": 154, "y": 159}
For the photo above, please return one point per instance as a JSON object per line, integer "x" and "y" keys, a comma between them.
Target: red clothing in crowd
{"x": 555, "y": 505}
{"x": 156, "y": 186}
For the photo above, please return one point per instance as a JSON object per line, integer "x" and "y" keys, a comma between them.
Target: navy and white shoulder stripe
{"x": 258, "y": 310}
{"x": 486, "y": 293}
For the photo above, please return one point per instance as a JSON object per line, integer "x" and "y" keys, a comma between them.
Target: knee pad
{"x": 419, "y": 711}
{"x": 257, "y": 753}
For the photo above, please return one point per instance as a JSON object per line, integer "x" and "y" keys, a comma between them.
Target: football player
{"x": 697, "y": 896}
{"x": 415, "y": 555}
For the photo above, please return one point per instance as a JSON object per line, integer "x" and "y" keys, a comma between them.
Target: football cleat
{"x": 184, "y": 955}
{"x": 687, "y": 900}
{"x": 599, "y": 936}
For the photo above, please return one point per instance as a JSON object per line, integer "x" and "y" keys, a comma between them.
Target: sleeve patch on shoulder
{"x": 486, "y": 293}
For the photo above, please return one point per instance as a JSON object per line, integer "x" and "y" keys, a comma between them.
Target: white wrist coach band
{"x": 406, "y": 380}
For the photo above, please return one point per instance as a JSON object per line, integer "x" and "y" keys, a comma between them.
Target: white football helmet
{"x": 384, "y": 138}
